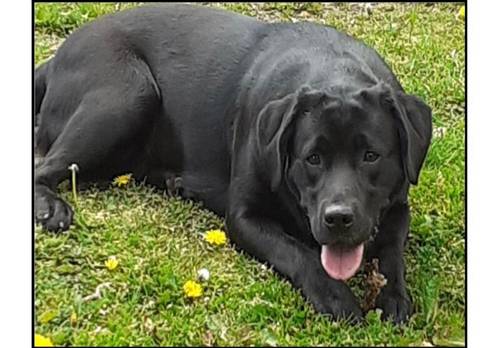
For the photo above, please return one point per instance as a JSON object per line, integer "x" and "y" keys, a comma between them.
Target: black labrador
{"x": 298, "y": 134}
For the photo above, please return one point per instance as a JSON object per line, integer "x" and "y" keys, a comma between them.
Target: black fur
{"x": 269, "y": 125}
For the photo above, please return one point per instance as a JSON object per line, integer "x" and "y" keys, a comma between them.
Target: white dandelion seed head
{"x": 203, "y": 274}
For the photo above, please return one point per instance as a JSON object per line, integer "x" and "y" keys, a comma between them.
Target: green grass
{"x": 158, "y": 241}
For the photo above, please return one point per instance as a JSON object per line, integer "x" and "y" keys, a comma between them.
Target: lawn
{"x": 158, "y": 241}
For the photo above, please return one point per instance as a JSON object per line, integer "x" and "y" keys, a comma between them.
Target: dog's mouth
{"x": 341, "y": 262}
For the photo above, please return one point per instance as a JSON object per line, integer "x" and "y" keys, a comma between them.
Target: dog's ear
{"x": 274, "y": 128}
{"x": 414, "y": 121}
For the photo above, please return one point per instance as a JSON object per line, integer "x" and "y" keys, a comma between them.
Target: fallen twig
{"x": 97, "y": 294}
{"x": 374, "y": 282}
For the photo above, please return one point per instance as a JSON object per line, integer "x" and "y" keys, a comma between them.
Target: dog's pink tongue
{"x": 339, "y": 262}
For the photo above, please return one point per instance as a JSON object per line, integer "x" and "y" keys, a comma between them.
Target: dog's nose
{"x": 339, "y": 216}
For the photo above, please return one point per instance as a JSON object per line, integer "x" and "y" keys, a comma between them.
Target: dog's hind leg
{"x": 107, "y": 135}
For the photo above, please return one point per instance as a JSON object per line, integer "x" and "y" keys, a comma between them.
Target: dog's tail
{"x": 40, "y": 88}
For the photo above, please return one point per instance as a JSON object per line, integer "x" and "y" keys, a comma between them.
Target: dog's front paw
{"x": 51, "y": 212}
{"x": 395, "y": 304}
{"x": 339, "y": 308}
{"x": 332, "y": 297}
{"x": 174, "y": 186}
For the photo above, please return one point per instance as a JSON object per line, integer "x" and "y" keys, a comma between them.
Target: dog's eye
{"x": 371, "y": 156}
{"x": 314, "y": 159}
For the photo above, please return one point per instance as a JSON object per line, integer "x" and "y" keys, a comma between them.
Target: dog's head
{"x": 344, "y": 155}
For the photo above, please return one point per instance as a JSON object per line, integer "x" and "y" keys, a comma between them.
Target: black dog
{"x": 300, "y": 135}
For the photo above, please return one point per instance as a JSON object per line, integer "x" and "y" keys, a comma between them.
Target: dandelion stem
{"x": 74, "y": 169}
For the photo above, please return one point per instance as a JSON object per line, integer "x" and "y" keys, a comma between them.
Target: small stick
{"x": 97, "y": 294}
{"x": 375, "y": 281}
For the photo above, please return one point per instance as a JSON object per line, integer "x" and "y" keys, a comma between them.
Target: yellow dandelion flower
{"x": 111, "y": 263}
{"x": 216, "y": 237}
{"x": 42, "y": 341}
{"x": 461, "y": 12}
{"x": 122, "y": 180}
{"x": 192, "y": 289}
